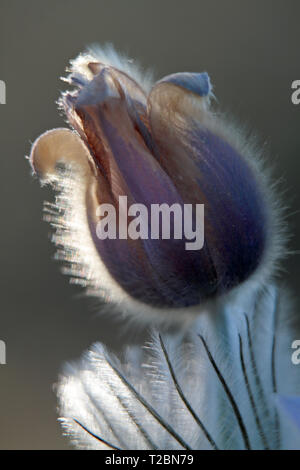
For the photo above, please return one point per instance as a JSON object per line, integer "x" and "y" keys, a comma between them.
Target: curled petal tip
{"x": 99, "y": 90}
{"x": 198, "y": 83}
{"x": 54, "y": 146}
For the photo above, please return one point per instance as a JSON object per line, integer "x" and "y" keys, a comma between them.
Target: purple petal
{"x": 207, "y": 169}
{"x": 123, "y": 158}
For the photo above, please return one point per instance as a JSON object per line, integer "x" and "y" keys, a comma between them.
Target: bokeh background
{"x": 251, "y": 51}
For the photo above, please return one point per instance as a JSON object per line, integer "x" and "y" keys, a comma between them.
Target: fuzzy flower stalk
{"x": 164, "y": 145}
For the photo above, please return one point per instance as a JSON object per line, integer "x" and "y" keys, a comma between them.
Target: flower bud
{"x": 165, "y": 148}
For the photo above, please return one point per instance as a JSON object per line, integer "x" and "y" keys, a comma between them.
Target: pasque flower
{"x": 227, "y": 382}
{"x": 157, "y": 144}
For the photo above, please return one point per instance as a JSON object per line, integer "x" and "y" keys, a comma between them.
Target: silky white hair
{"x": 214, "y": 387}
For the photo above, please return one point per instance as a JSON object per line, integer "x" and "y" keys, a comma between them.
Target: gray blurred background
{"x": 251, "y": 51}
